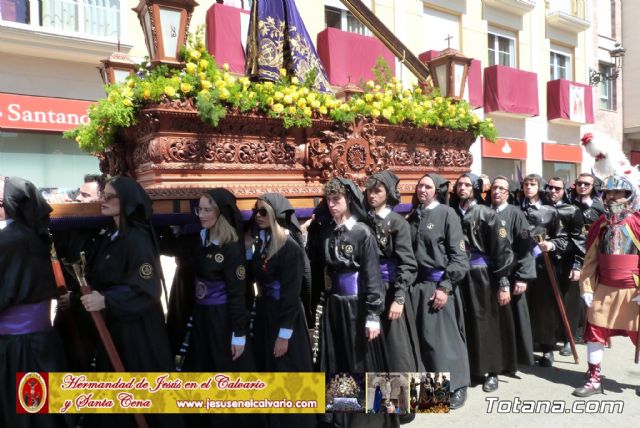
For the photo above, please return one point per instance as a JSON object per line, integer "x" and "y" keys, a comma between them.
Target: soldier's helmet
{"x": 619, "y": 183}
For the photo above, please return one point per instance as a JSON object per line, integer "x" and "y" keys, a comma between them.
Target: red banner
{"x": 22, "y": 112}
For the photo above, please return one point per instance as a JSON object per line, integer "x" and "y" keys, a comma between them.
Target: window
{"x": 607, "y": 87}
{"x": 560, "y": 65}
{"x": 566, "y": 171}
{"x": 506, "y": 167}
{"x": 99, "y": 18}
{"x": 444, "y": 30}
{"x": 502, "y": 48}
{"x": 344, "y": 20}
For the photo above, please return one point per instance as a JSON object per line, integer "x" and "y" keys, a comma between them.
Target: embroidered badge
{"x": 146, "y": 270}
{"x": 209, "y": 256}
{"x": 108, "y": 257}
{"x": 201, "y": 290}
{"x": 524, "y": 234}
{"x": 348, "y": 249}
{"x": 503, "y": 222}
{"x": 462, "y": 247}
{"x": 430, "y": 226}
{"x": 502, "y": 233}
{"x": 240, "y": 272}
{"x": 383, "y": 240}
{"x": 219, "y": 258}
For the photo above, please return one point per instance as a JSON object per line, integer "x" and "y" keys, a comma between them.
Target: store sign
{"x": 21, "y": 112}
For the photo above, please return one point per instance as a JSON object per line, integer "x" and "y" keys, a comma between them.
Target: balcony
{"x": 569, "y": 15}
{"x": 227, "y": 29}
{"x": 569, "y": 103}
{"x": 510, "y": 92}
{"x": 349, "y": 57}
{"x": 518, "y": 7}
{"x": 77, "y": 30}
{"x": 473, "y": 87}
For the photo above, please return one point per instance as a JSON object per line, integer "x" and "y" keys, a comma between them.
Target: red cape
{"x": 633, "y": 220}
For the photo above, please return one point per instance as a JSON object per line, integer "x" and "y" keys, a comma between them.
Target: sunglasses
{"x": 554, "y": 188}
{"x": 583, "y": 183}
{"x": 262, "y": 212}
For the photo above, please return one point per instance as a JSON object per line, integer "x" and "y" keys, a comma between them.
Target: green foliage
{"x": 217, "y": 93}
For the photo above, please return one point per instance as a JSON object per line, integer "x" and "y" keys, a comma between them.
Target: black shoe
{"x": 547, "y": 359}
{"x": 566, "y": 350}
{"x": 406, "y": 418}
{"x": 588, "y": 390}
{"x": 458, "y": 398}
{"x": 490, "y": 383}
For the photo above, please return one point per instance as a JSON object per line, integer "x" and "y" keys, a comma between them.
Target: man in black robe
{"x": 568, "y": 264}
{"x": 489, "y": 325}
{"x": 586, "y": 198}
{"x": 545, "y": 227}
{"x": 398, "y": 269}
{"x": 439, "y": 248}
{"x": 524, "y": 268}
{"x": 28, "y": 343}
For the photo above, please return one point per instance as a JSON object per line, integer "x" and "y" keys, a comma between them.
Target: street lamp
{"x": 165, "y": 24}
{"x": 449, "y": 73}
{"x": 116, "y": 68}
{"x": 617, "y": 53}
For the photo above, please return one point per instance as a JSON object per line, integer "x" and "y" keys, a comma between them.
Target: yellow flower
{"x": 283, "y": 72}
{"x": 127, "y": 102}
{"x": 302, "y": 103}
{"x": 204, "y": 64}
{"x": 315, "y": 104}
{"x": 170, "y": 91}
{"x": 185, "y": 88}
{"x": 131, "y": 83}
{"x": 146, "y": 94}
{"x": 323, "y": 110}
{"x": 387, "y": 112}
{"x": 368, "y": 97}
{"x": 371, "y": 84}
{"x": 278, "y": 108}
{"x": 191, "y": 68}
{"x": 427, "y": 104}
{"x": 202, "y": 75}
{"x": 204, "y": 93}
{"x": 288, "y": 99}
{"x": 418, "y": 90}
{"x": 195, "y": 54}
{"x": 474, "y": 120}
{"x": 307, "y": 111}
{"x": 439, "y": 122}
{"x": 268, "y": 85}
{"x": 376, "y": 105}
{"x": 375, "y": 113}
{"x": 311, "y": 97}
{"x": 224, "y": 94}
{"x": 205, "y": 84}
{"x": 295, "y": 80}
{"x": 278, "y": 95}
{"x": 225, "y": 66}
{"x": 292, "y": 110}
{"x": 270, "y": 101}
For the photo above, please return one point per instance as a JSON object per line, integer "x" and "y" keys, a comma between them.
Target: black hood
{"x": 356, "y": 206}
{"x": 542, "y": 186}
{"x": 226, "y": 202}
{"x": 442, "y": 189}
{"x": 285, "y": 214}
{"x": 25, "y": 204}
{"x": 476, "y": 183}
{"x": 135, "y": 204}
{"x": 390, "y": 182}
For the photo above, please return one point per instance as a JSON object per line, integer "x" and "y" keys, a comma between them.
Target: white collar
{"x": 587, "y": 200}
{"x": 432, "y": 205}
{"x": 351, "y": 221}
{"x": 383, "y": 213}
{"x": 5, "y": 223}
{"x": 472, "y": 204}
{"x": 502, "y": 207}
{"x": 203, "y": 234}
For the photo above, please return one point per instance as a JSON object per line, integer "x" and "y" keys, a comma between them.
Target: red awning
{"x": 504, "y": 149}
{"x": 349, "y": 57}
{"x": 569, "y": 101}
{"x": 634, "y": 158}
{"x": 474, "y": 77}
{"x": 224, "y": 36}
{"x": 561, "y": 153}
{"x": 22, "y": 112}
{"x": 510, "y": 90}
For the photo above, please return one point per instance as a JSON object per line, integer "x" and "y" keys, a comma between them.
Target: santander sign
{"x": 22, "y": 112}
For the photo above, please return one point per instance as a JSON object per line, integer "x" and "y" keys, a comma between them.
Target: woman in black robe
{"x": 439, "y": 247}
{"x": 124, "y": 273}
{"x": 28, "y": 343}
{"x": 280, "y": 332}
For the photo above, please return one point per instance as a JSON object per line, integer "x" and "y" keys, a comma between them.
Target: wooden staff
{"x": 558, "y": 296}
{"x": 57, "y": 271}
{"x": 105, "y": 336}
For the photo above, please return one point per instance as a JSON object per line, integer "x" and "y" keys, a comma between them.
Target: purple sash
{"x": 430, "y": 275}
{"x": 478, "y": 259}
{"x": 210, "y": 292}
{"x": 345, "y": 283}
{"x": 388, "y": 269}
{"x": 272, "y": 290}
{"x": 536, "y": 250}
{"x": 25, "y": 319}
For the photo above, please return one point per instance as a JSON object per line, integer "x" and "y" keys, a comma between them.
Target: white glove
{"x": 588, "y": 299}
{"x": 637, "y": 299}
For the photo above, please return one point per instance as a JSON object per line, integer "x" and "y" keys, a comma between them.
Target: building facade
{"x": 530, "y": 73}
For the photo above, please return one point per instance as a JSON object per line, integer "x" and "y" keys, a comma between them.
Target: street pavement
{"x": 621, "y": 378}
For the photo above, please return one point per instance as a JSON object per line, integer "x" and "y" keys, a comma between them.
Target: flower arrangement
{"x": 217, "y": 92}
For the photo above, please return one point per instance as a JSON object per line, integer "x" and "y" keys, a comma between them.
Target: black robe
{"x": 26, "y": 278}
{"x": 393, "y": 235}
{"x": 590, "y": 213}
{"x": 523, "y": 270}
{"x": 344, "y": 346}
{"x": 572, "y": 221}
{"x": 438, "y": 243}
{"x": 543, "y": 309}
{"x": 125, "y": 271}
{"x": 490, "y": 329}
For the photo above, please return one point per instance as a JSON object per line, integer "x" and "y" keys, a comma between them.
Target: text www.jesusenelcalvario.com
{"x": 516, "y": 405}
{"x": 209, "y": 404}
